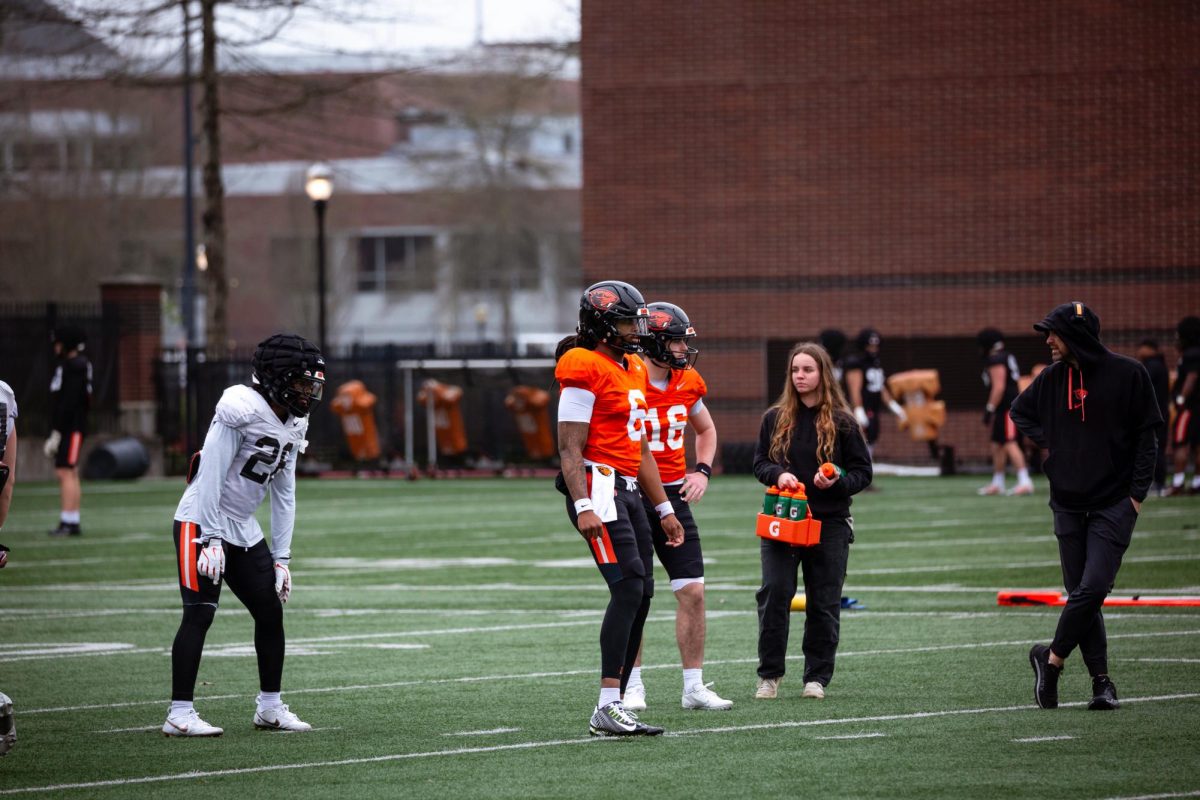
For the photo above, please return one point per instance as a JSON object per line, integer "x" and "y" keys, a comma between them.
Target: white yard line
{"x": 483, "y": 733}
{"x": 195, "y": 774}
{"x": 1164, "y": 796}
{"x": 853, "y": 736}
{"x": 1032, "y": 739}
{"x": 588, "y": 671}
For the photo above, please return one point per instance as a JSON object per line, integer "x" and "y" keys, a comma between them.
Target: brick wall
{"x": 927, "y": 168}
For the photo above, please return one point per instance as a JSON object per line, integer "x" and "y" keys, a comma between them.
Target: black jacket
{"x": 849, "y": 452}
{"x": 1160, "y": 379}
{"x": 1098, "y": 418}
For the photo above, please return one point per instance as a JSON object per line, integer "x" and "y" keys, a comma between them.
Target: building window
{"x": 396, "y": 263}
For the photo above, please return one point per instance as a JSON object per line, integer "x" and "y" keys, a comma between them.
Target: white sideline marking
{"x": 853, "y": 736}
{"x": 24, "y": 652}
{"x": 1164, "y": 660}
{"x": 483, "y": 733}
{"x": 131, "y": 730}
{"x": 573, "y": 672}
{"x": 917, "y": 715}
{"x": 1193, "y": 793}
{"x": 1043, "y": 739}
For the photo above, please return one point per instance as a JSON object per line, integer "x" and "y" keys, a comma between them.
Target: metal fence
{"x": 27, "y": 360}
{"x": 188, "y": 389}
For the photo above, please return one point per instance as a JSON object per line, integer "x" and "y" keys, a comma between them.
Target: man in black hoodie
{"x": 1096, "y": 413}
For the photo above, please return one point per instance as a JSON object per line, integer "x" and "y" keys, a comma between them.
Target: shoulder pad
{"x": 237, "y": 404}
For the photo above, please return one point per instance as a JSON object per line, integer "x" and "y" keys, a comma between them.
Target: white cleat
{"x": 991, "y": 490}
{"x": 703, "y": 697}
{"x": 279, "y": 718}
{"x": 814, "y": 690}
{"x": 188, "y": 723}
{"x": 1020, "y": 490}
{"x": 635, "y": 698}
{"x": 768, "y": 688}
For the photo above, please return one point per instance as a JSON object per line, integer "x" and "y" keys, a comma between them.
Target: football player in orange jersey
{"x": 605, "y": 468}
{"x": 676, "y": 397}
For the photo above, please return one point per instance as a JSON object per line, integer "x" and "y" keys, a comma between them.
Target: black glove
{"x": 987, "y": 417}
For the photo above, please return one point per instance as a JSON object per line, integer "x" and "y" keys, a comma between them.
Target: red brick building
{"x": 927, "y": 168}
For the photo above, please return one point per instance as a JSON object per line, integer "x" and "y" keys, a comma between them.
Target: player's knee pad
{"x": 199, "y": 615}
{"x": 679, "y": 584}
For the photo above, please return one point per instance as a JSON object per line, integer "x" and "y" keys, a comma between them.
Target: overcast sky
{"x": 414, "y": 24}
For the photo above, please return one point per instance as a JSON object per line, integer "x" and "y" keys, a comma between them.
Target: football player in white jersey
{"x": 252, "y": 444}
{"x": 8, "y": 463}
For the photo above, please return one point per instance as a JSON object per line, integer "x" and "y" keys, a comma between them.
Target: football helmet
{"x": 606, "y": 303}
{"x": 668, "y": 322}
{"x": 988, "y": 338}
{"x": 290, "y": 371}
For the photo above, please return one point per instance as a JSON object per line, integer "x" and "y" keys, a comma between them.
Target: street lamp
{"x": 318, "y": 185}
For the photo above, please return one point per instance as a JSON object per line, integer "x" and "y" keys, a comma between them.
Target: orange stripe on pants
{"x": 1010, "y": 430}
{"x": 1181, "y": 427}
{"x": 73, "y": 451}
{"x": 602, "y": 546}
{"x": 187, "y": 574}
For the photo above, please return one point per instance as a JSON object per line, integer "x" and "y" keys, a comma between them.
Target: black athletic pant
{"x": 250, "y": 573}
{"x": 1090, "y": 547}
{"x": 824, "y": 568}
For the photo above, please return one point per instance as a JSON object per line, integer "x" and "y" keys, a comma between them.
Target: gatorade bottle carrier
{"x": 802, "y": 532}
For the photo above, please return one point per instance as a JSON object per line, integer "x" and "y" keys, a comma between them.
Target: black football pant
{"x": 824, "y": 568}
{"x": 1090, "y": 547}
{"x": 250, "y": 573}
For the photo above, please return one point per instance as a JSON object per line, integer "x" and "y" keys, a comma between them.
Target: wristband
{"x": 1179, "y": 399}
{"x": 704, "y": 469}
{"x": 583, "y": 505}
{"x": 990, "y": 408}
{"x": 664, "y": 509}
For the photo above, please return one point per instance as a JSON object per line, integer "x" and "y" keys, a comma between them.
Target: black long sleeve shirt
{"x": 849, "y": 452}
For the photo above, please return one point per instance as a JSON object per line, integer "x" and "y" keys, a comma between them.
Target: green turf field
{"x": 443, "y": 642}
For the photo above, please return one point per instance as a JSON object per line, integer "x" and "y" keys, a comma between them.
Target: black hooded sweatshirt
{"x": 1098, "y": 417}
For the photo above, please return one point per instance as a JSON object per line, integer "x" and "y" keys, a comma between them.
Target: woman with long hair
{"x": 809, "y": 425}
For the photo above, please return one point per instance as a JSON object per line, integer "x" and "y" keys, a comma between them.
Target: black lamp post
{"x": 318, "y": 184}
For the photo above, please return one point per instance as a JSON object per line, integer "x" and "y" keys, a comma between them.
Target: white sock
{"x": 1023, "y": 476}
{"x": 998, "y": 479}
{"x": 179, "y": 707}
{"x": 1196, "y": 481}
{"x": 1177, "y": 481}
{"x": 269, "y": 700}
{"x": 692, "y": 678}
{"x": 70, "y": 517}
{"x": 609, "y": 696}
{"x": 635, "y": 678}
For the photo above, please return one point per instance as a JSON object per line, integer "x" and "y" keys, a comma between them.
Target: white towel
{"x": 604, "y": 492}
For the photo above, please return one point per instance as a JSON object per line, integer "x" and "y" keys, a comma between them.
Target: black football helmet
{"x": 606, "y": 303}
{"x": 668, "y": 322}
{"x": 988, "y": 338}
{"x": 290, "y": 371}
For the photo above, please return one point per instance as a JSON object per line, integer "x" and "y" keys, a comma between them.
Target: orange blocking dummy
{"x": 447, "y": 416}
{"x": 529, "y": 406}
{"x": 356, "y": 407}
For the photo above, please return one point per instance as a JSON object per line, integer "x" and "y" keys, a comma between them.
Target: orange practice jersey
{"x": 667, "y": 418}
{"x": 619, "y": 414}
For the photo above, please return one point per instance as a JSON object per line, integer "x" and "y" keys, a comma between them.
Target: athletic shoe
{"x": 188, "y": 723}
{"x": 1174, "y": 491}
{"x": 1045, "y": 677}
{"x": 278, "y": 718}
{"x": 635, "y": 698}
{"x": 703, "y": 697}
{"x": 768, "y": 688}
{"x": 1104, "y": 695}
{"x": 814, "y": 690}
{"x": 1020, "y": 490}
{"x": 8, "y": 725}
{"x": 989, "y": 490}
{"x": 67, "y": 529}
{"x": 614, "y": 720}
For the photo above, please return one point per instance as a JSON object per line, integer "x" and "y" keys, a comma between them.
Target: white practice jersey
{"x": 246, "y": 452}
{"x": 8, "y": 413}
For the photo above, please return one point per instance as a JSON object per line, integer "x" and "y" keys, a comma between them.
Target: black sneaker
{"x": 1045, "y": 677}
{"x": 1104, "y": 695}
{"x": 67, "y": 529}
{"x": 614, "y": 720}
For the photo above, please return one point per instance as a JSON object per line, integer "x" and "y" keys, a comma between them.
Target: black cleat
{"x": 67, "y": 529}
{"x": 1045, "y": 677}
{"x": 1104, "y": 695}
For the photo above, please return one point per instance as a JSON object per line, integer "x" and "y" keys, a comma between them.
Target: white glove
{"x": 50, "y": 448}
{"x": 283, "y": 582}
{"x": 898, "y": 410}
{"x": 860, "y": 414}
{"x": 211, "y": 563}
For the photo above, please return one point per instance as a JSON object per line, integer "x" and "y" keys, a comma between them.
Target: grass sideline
{"x": 442, "y": 639}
